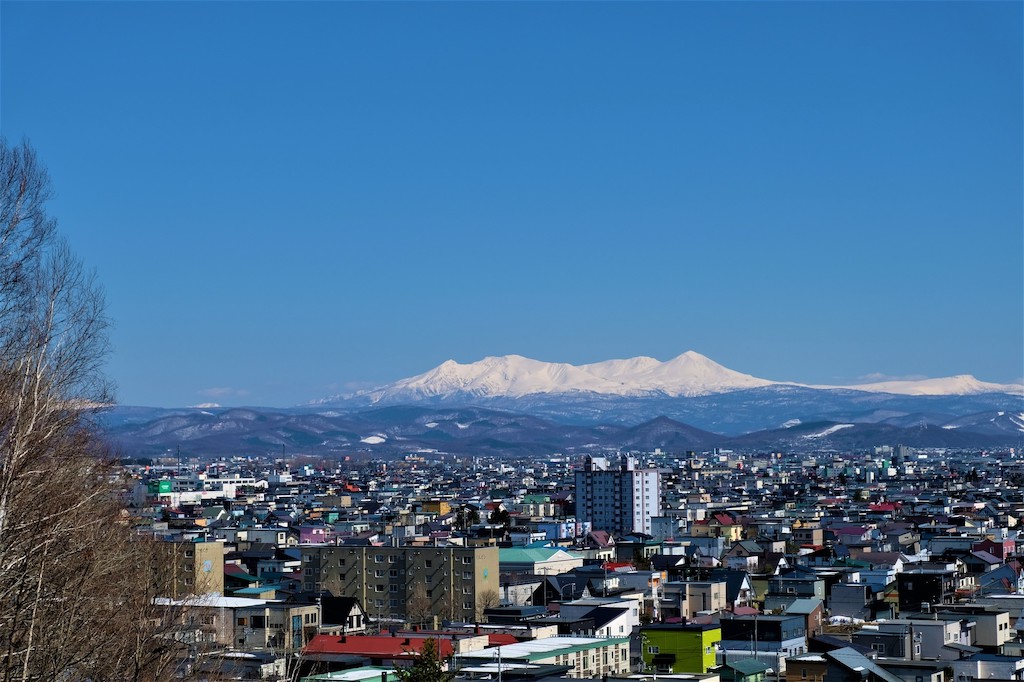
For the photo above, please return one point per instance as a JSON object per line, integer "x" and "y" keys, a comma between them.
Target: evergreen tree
{"x": 428, "y": 666}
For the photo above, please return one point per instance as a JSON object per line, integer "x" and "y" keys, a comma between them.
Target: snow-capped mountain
{"x": 688, "y": 375}
{"x": 961, "y": 384}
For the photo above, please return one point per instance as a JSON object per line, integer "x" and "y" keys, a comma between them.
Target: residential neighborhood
{"x": 895, "y": 564}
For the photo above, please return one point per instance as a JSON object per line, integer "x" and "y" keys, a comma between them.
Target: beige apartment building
{"x": 406, "y": 583}
{"x": 189, "y": 567}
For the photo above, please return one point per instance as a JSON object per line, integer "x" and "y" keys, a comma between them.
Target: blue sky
{"x": 287, "y": 199}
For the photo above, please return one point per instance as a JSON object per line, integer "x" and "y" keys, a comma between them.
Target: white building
{"x": 620, "y": 498}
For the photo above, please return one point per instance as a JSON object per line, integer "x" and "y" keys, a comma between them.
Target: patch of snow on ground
{"x": 791, "y": 423}
{"x": 373, "y": 440}
{"x": 830, "y": 430}
{"x": 431, "y": 425}
{"x": 462, "y": 426}
{"x": 949, "y": 427}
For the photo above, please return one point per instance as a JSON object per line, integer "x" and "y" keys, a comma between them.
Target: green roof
{"x": 521, "y": 555}
{"x": 748, "y": 666}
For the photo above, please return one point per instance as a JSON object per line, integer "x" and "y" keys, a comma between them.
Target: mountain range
{"x": 688, "y": 375}
{"x": 514, "y": 405}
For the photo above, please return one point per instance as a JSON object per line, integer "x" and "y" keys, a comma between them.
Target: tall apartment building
{"x": 406, "y": 583}
{"x": 619, "y": 498}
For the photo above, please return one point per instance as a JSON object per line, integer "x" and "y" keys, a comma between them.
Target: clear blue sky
{"x": 285, "y": 199}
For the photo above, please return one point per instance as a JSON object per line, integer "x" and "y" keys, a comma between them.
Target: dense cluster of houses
{"x": 882, "y": 566}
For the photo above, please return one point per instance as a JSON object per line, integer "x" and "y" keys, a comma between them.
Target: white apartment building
{"x": 620, "y": 498}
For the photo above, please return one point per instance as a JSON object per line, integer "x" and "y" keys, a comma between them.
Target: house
{"x": 739, "y": 590}
{"x": 839, "y": 665}
{"x": 720, "y": 525}
{"x": 1004, "y": 548}
{"x": 536, "y": 560}
{"x": 991, "y": 629}
{"x": 859, "y": 600}
{"x": 918, "y": 585}
{"x": 588, "y": 657}
{"x": 679, "y": 648}
{"x": 379, "y": 650}
{"x": 344, "y": 612}
{"x": 685, "y": 599}
{"x": 611, "y": 617}
{"x": 813, "y": 611}
{"x": 769, "y": 639}
{"x": 787, "y": 587}
{"x": 744, "y": 670}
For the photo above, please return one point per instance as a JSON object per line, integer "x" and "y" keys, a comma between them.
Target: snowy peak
{"x": 961, "y": 384}
{"x": 509, "y": 375}
{"x": 690, "y": 374}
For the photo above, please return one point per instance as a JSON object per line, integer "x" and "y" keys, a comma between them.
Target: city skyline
{"x": 290, "y": 201}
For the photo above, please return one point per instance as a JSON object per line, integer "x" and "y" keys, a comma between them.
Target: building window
{"x": 393, "y": 573}
{"x": 378, "y": 559}
{"x": 653, "y": 649}
{"x": 429, "y": 563}
{"x": 467, "y": 559}
{"x": 467, "y": 605}
{"x": 467, "y": 575}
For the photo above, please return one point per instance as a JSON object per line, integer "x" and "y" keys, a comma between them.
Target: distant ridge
{"x": 688, "y": 375}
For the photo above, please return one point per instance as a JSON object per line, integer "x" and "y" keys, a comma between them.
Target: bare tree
{"x": 487, "y": 599}
{"x": 419, "y": 608}
{"x": 75, "y": 589}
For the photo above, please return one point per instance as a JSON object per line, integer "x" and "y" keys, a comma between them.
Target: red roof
{"x": 374, "y": 646}
{"x": 501, "y": 639}
{"x": 235, "y": 569}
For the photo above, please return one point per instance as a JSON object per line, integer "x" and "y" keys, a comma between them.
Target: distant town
{"x": 893, "y": 564}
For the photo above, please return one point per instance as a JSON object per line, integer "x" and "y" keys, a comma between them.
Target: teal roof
{"x": 748, "y": 666}
{"x": 254, "y": 590}
{"x": 522, "y": 555}
{"x": 803, "y": 606}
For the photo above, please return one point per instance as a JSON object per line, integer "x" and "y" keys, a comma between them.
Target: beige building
{"x": 189, "y": 567}
{"x": 237, "y": 622}
{"x": 686, "y": 599}
{"x": 406, "y": 583}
